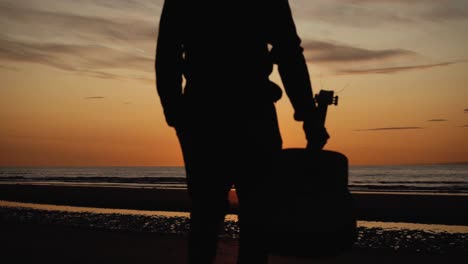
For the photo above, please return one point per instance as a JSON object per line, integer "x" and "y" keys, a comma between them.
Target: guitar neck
{"x": 323, "y": 100}
{"x": 322, "y": 113}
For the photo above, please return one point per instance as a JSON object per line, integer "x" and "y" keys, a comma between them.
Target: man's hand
{"x": 316, "y": 135}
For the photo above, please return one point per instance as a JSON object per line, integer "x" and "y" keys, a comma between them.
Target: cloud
{"x": 94, "y": 97}
{"x": 348, "y": 14}
{"x": 390, "y": 128}
{"x": 82, "y": 44}
{"x": 378, "y": 13}
{"x": 320, "y": 51}
{"x": 455, "y": 10}
{"x": 398, "y": 69}
{"x": 76, "y": 26}
{"x": 437, "y": 120}
{"x": 97, "y": 41}
{"x": 391, "y": 1}
{"x": 346, "y": 58}
{"x": 464, "y": 126}
{"x": 91, "y": 60}
{"x": 4, "y": 67}
{"x": 466, "y": 110}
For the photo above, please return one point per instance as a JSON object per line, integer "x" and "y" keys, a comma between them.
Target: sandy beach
{"x": 56, "y": 243}
{"x": 65, "y": 234}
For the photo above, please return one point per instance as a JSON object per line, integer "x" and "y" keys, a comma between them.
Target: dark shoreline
{"x": 449, "y": 209}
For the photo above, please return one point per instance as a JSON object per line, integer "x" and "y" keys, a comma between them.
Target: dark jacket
{"x": 226, "y": 50}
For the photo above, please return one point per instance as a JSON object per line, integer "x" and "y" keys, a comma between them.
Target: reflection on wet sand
{"x": 230, "y": 217}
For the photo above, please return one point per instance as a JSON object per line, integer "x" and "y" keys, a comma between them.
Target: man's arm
{"x": 168, "y": 64}
{"x": 288, "y": 53}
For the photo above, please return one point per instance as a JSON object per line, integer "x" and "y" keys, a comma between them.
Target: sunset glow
{"x": 77, "y": 85}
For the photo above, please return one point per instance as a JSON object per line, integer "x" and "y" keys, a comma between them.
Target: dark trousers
{"x": 237, "y": 150}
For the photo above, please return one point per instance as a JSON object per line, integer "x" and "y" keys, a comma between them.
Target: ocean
{"x": 451, "y": 178}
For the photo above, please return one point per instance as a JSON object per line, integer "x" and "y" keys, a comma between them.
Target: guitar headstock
{"x": 326, "y": 98}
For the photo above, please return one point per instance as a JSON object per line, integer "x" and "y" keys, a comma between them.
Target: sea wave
{"x": 149, "y": 180}
{"x": 434, "y": 178}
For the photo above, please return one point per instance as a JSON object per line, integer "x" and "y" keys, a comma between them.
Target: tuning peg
{"x": 335, "y": 100}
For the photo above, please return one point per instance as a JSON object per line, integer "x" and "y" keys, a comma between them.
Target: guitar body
{"x": 313, "y": 210}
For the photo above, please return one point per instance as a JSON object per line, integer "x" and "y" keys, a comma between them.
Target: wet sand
{"x": 61, "y": 235}
{"x": 64, "y": 234}
{"x": 432, "y": 208}
{"x": 40, "y": 243}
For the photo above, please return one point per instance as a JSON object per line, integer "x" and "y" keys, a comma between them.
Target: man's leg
{"x": 263, "y": 146}
{"x": 208, "y": 189}
{"x": 206, "y": 219}
{"x": 252, "y": 244}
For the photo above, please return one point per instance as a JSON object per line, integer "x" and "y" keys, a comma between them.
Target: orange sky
{"x": 77, "y": 82}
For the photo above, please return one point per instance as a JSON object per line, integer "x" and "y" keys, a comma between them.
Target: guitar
{"x": 312, "y": 211}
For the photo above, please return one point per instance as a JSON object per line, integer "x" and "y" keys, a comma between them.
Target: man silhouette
{"x": 224, "y": 114}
